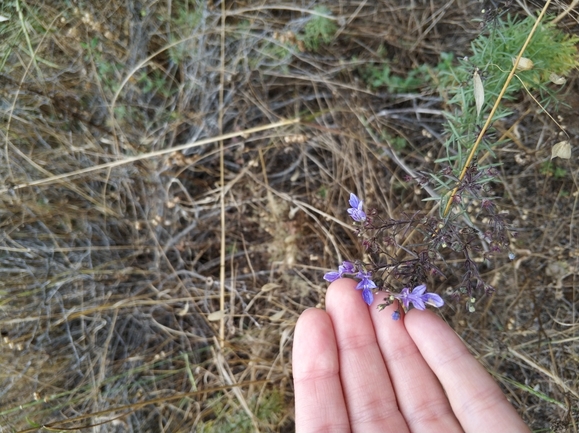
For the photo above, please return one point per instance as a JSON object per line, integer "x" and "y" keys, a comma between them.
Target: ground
{"x": 176, "y": 177}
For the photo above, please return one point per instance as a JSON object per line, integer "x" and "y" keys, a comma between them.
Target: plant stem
{"x": 494, "y": 109}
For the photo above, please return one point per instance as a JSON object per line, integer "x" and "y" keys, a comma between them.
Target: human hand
{"x": 357, "y": 370}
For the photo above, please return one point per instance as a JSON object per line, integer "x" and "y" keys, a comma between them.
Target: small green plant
{"x": 549, "y": 169}
{"x": 156, "y": 82}
{"x": 550, "y": 53}
{"x": 380, "y": 76}
{"x": 398, "y": 143}
{"x": 186, "y": 19}
{"x": 320, "y": 29}
{"x": 271, "y": 55}
{"x": 108, "y": 70}
{"x": 268, "y": 51}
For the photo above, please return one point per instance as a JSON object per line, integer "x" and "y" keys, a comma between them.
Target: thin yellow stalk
{"x": 54, "y": 179}
{"x": 494, "y": 109}
{"x": 222, "y": 182}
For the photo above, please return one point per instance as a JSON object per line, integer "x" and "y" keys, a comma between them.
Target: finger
{"x": 476, "y": 399}
{"x": 367, "y": 388}
{"x": 320, "y": 405}
{"x": 420, "y": 396}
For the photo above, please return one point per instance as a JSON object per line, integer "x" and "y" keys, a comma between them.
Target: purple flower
{"x": 356, "y": 211}
{"x": 366, "y": 285}
{"x": 418, "y": 298}
{"x": 345, "y": 268}
{"x": 433, "y": 299}
{"x": 332, "y": 276}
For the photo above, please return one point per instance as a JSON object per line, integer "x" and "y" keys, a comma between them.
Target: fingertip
{"x": 311, "y": 319}
{"x": 314, "y": 347}
{"x": 340, "y": 285}
{"x": 430, "y": 332}
{"x": 420, "y": 318}
{"x": 342, "y": 294}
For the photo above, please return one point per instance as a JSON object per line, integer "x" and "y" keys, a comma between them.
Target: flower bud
{"x": 524, "y": 64}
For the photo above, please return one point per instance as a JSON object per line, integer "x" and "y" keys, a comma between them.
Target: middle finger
{"x": 368, "y": 392}
{"x": 420, "y": 396}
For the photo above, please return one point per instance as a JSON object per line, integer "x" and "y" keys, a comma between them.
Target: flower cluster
{"x": 350, "y": 269}
{"x": 417, "y": 246}
{"x": 417, "y": 297}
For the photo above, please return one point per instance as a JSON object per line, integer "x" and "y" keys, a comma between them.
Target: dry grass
{"x": 110, "y": 280}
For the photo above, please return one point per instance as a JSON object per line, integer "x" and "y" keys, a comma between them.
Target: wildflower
{"x": 356, "y": 211}
{"x": 418, "y": 298}
{"x": 332, "y": 276}
{"x": 396, "y": 315}
{"x": 345, "y": 268}
{"x": 366, "y": 285}
{"x": 487, "y": 205}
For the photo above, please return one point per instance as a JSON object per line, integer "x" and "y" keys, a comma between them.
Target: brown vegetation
{"x": 113, "y": 278}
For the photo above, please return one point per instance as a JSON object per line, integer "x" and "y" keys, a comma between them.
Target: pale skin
{"x": 357, "y": 370}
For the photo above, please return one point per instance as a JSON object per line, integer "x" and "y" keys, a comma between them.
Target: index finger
{"x": 477, "y": 401}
